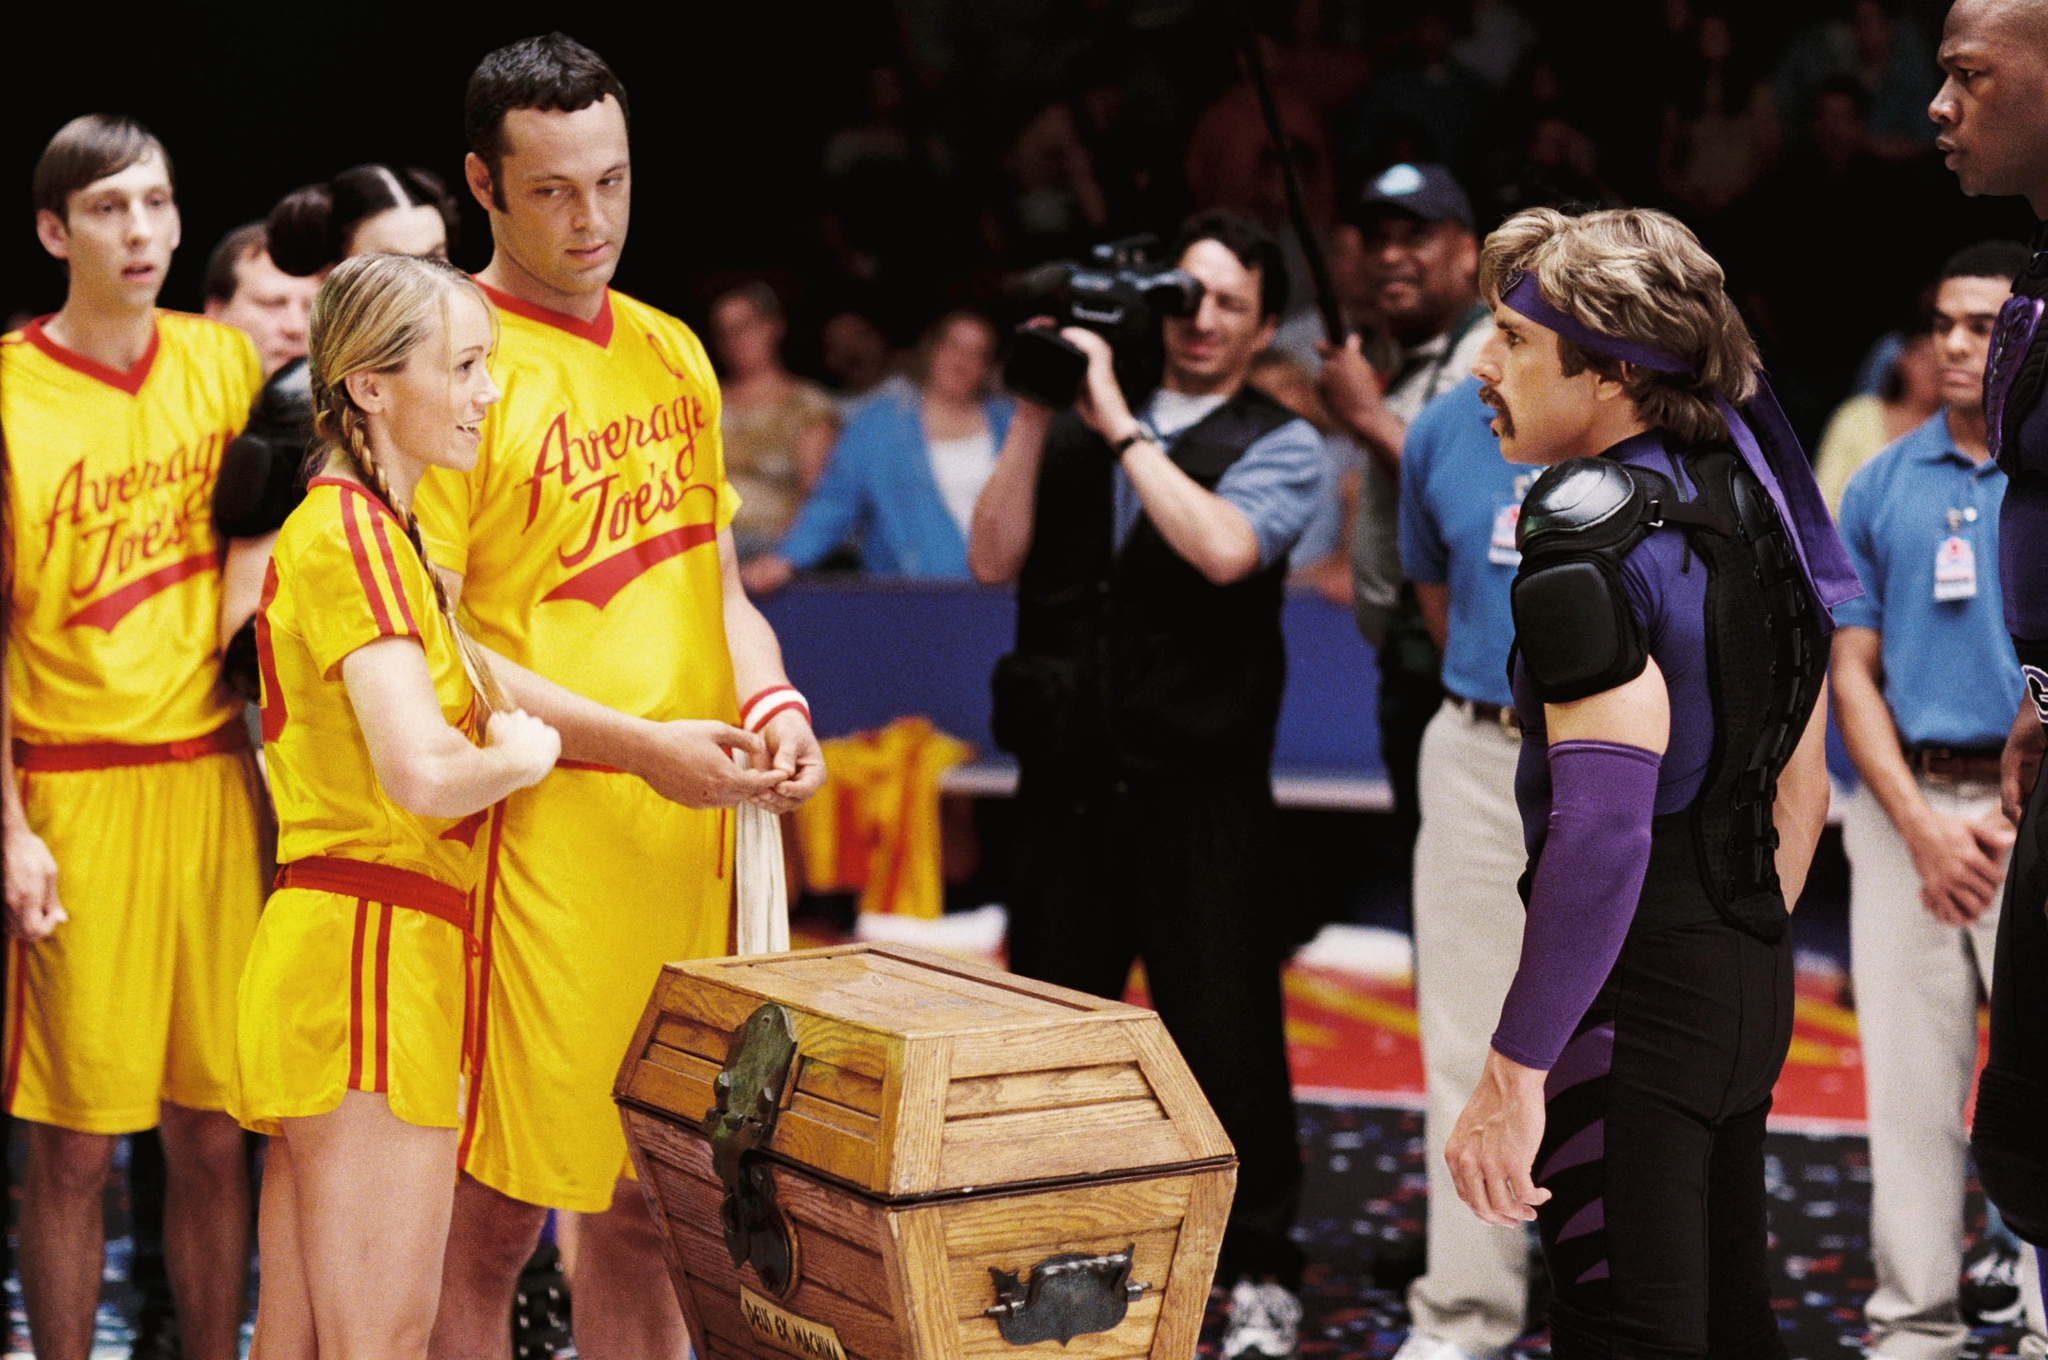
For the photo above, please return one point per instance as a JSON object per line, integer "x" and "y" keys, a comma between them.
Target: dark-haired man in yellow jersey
{"x": 593, "y": 545}
{"x": 127, "y": 792}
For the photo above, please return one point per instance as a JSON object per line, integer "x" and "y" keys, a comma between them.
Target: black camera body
{"x": 1121, "y": 294}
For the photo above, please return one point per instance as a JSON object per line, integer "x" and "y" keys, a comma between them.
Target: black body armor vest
{"x": 2016, "y": 370}
{"x": 1766, "y": 654}
{"x": 1128, "y": 657}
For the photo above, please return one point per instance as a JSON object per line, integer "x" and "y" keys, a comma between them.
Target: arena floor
{"x": 1358, "y": 1073}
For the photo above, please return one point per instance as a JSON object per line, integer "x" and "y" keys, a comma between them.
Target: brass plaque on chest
{"x": 786, "y": 1331}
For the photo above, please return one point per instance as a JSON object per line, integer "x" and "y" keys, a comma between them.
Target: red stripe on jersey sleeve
{"x": 391, "y": 570}
{"x": 361, "y": 554}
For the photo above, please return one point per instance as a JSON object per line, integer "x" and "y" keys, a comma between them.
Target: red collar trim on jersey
{"x": 597, "y": 331}
{"x": 346, "y": 485}
{"x": 129, "y": 382}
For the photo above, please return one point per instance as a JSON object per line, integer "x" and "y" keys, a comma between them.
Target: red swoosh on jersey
{"x": 111, "y": 608}
{"x": 597, "y": 584}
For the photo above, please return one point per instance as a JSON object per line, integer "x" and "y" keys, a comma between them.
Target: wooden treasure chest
{"x": 876, "y": 1152}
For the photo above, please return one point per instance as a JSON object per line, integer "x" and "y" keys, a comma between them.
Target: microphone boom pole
{"x": 1318, "y": 269}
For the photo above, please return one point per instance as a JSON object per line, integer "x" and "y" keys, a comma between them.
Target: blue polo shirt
{"x": 1455, "y": 488}
{"x": 1949, "y": 674}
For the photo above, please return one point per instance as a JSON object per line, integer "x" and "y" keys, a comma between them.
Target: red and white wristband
{"x": 757, "y": 712}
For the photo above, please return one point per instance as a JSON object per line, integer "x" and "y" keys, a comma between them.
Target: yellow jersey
{"x": 342, "y": 576}
{"x": 586, "y": 534}
{"x": 116, "y": 572}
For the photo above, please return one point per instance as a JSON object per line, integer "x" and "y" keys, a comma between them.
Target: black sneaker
{"x": 1990, "y": 1292}
{"x": 540, "y": 1307}
{"x": 156, "y": 1334}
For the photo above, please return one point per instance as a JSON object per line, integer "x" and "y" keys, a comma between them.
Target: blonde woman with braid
{"x": 388, "y": 739}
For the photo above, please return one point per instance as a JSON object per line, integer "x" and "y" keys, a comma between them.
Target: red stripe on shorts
{"x": 483, "y": 990}
{"x": 384, "y": 998}
{"x": 355, "y": 998}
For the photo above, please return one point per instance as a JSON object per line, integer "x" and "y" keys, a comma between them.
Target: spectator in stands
{"x": 883, "y": 208}
{"x": 1328, "y": 75}
{"x": 1498, "y": 37}
{"x": 1542, "y": 152}
{"x": 1149, "y": 550}
{"x": 1231, "y": 164}
{"x": 245, "y": 290}
{"x": 776, "y": 427}
{"x": 1816, "y": 323}
{"x": 1906, "y": 396}
{"x": 1421, "y": 104}
{"x": 858, "y": 359}
{"x": 1459, "y": 506}
{"x": 1887, "y": 58}
{"x": 1421, "y": 261}
{"x": 1721, "y": 127}
{"x": 1926, "y": 841}
{"x": 1053, "y": 206}
{"x": 900, "y": 484}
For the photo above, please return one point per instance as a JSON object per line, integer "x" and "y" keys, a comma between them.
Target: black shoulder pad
{"x": 1574, "y": 628}
{"x": 1588, "y": 500}
{"x": 258, "y": 483}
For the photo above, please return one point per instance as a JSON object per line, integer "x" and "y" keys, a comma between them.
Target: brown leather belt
{"x": 1954, "y": 764}
{"x": 1487, "y": 713}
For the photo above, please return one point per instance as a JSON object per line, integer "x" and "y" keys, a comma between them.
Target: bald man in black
{"x": 1992, "y": 110}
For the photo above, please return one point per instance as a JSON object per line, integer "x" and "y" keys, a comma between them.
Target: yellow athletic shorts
{"x": 344, "y": 993}
{"x": 593, "y": 883}
{"x": 132, "y": 1001}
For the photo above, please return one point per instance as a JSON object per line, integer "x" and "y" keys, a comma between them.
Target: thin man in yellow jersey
{"x": 594, "y": 547}
{"x": 127, "y": 792}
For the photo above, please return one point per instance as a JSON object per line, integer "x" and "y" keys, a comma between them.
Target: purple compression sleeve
{"x": 1583, "y": 895}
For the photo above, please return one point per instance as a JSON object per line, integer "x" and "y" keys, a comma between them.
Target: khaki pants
{"x": 1468, "y": 939}
{"x": 1918, "y": 985}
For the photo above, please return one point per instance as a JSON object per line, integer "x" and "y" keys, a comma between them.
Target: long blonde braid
{"x": 369, "y": 317}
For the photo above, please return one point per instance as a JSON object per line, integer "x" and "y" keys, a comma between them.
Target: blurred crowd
{"x": 981, "y": 140}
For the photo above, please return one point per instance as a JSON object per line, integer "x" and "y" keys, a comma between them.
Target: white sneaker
{"x": 1264, "y": 1318}
{"x": 1422, "y": 1346}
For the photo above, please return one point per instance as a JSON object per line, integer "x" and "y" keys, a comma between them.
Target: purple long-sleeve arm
{"x": 1583, "y": 896}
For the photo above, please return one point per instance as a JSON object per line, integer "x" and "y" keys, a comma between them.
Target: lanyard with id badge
{"x": 1501, "y": 550}
{"x": 1955, "y": 560}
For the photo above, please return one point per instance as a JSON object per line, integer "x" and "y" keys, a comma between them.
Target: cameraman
{"x": 1150, "y": 553}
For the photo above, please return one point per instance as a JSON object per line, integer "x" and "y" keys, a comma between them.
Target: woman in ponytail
{"x": 389, "y": 739}
{"x": 364, "y": 210}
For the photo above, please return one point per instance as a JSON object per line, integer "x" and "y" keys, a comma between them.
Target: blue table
{"x": 866, "y": 652}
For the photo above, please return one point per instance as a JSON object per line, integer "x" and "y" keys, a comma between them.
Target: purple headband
{"x": 1776, "y": 458}
{"x": 1522, "y": 295}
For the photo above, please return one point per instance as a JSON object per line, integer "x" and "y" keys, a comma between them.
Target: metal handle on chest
{"x": 1064, "y": 1297}
{"x": 749, "y": 1091}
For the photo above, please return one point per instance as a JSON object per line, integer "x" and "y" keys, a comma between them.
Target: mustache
{"x": 1494, "y": 399}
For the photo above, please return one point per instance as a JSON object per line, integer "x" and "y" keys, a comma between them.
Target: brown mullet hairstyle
{"x": 553, "y": 72}
{"x": 89, "y": 148}
{"x": 370, "y": 316}
{"x": 1641, "y": 275}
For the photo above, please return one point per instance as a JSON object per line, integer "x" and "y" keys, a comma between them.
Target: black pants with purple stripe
{"x": 1654, "y": 1151}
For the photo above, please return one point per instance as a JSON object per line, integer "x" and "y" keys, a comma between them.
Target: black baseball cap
{"x": 1426, "y": 192}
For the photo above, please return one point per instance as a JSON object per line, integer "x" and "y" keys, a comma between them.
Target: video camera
{"x": 1121, "y": 294}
